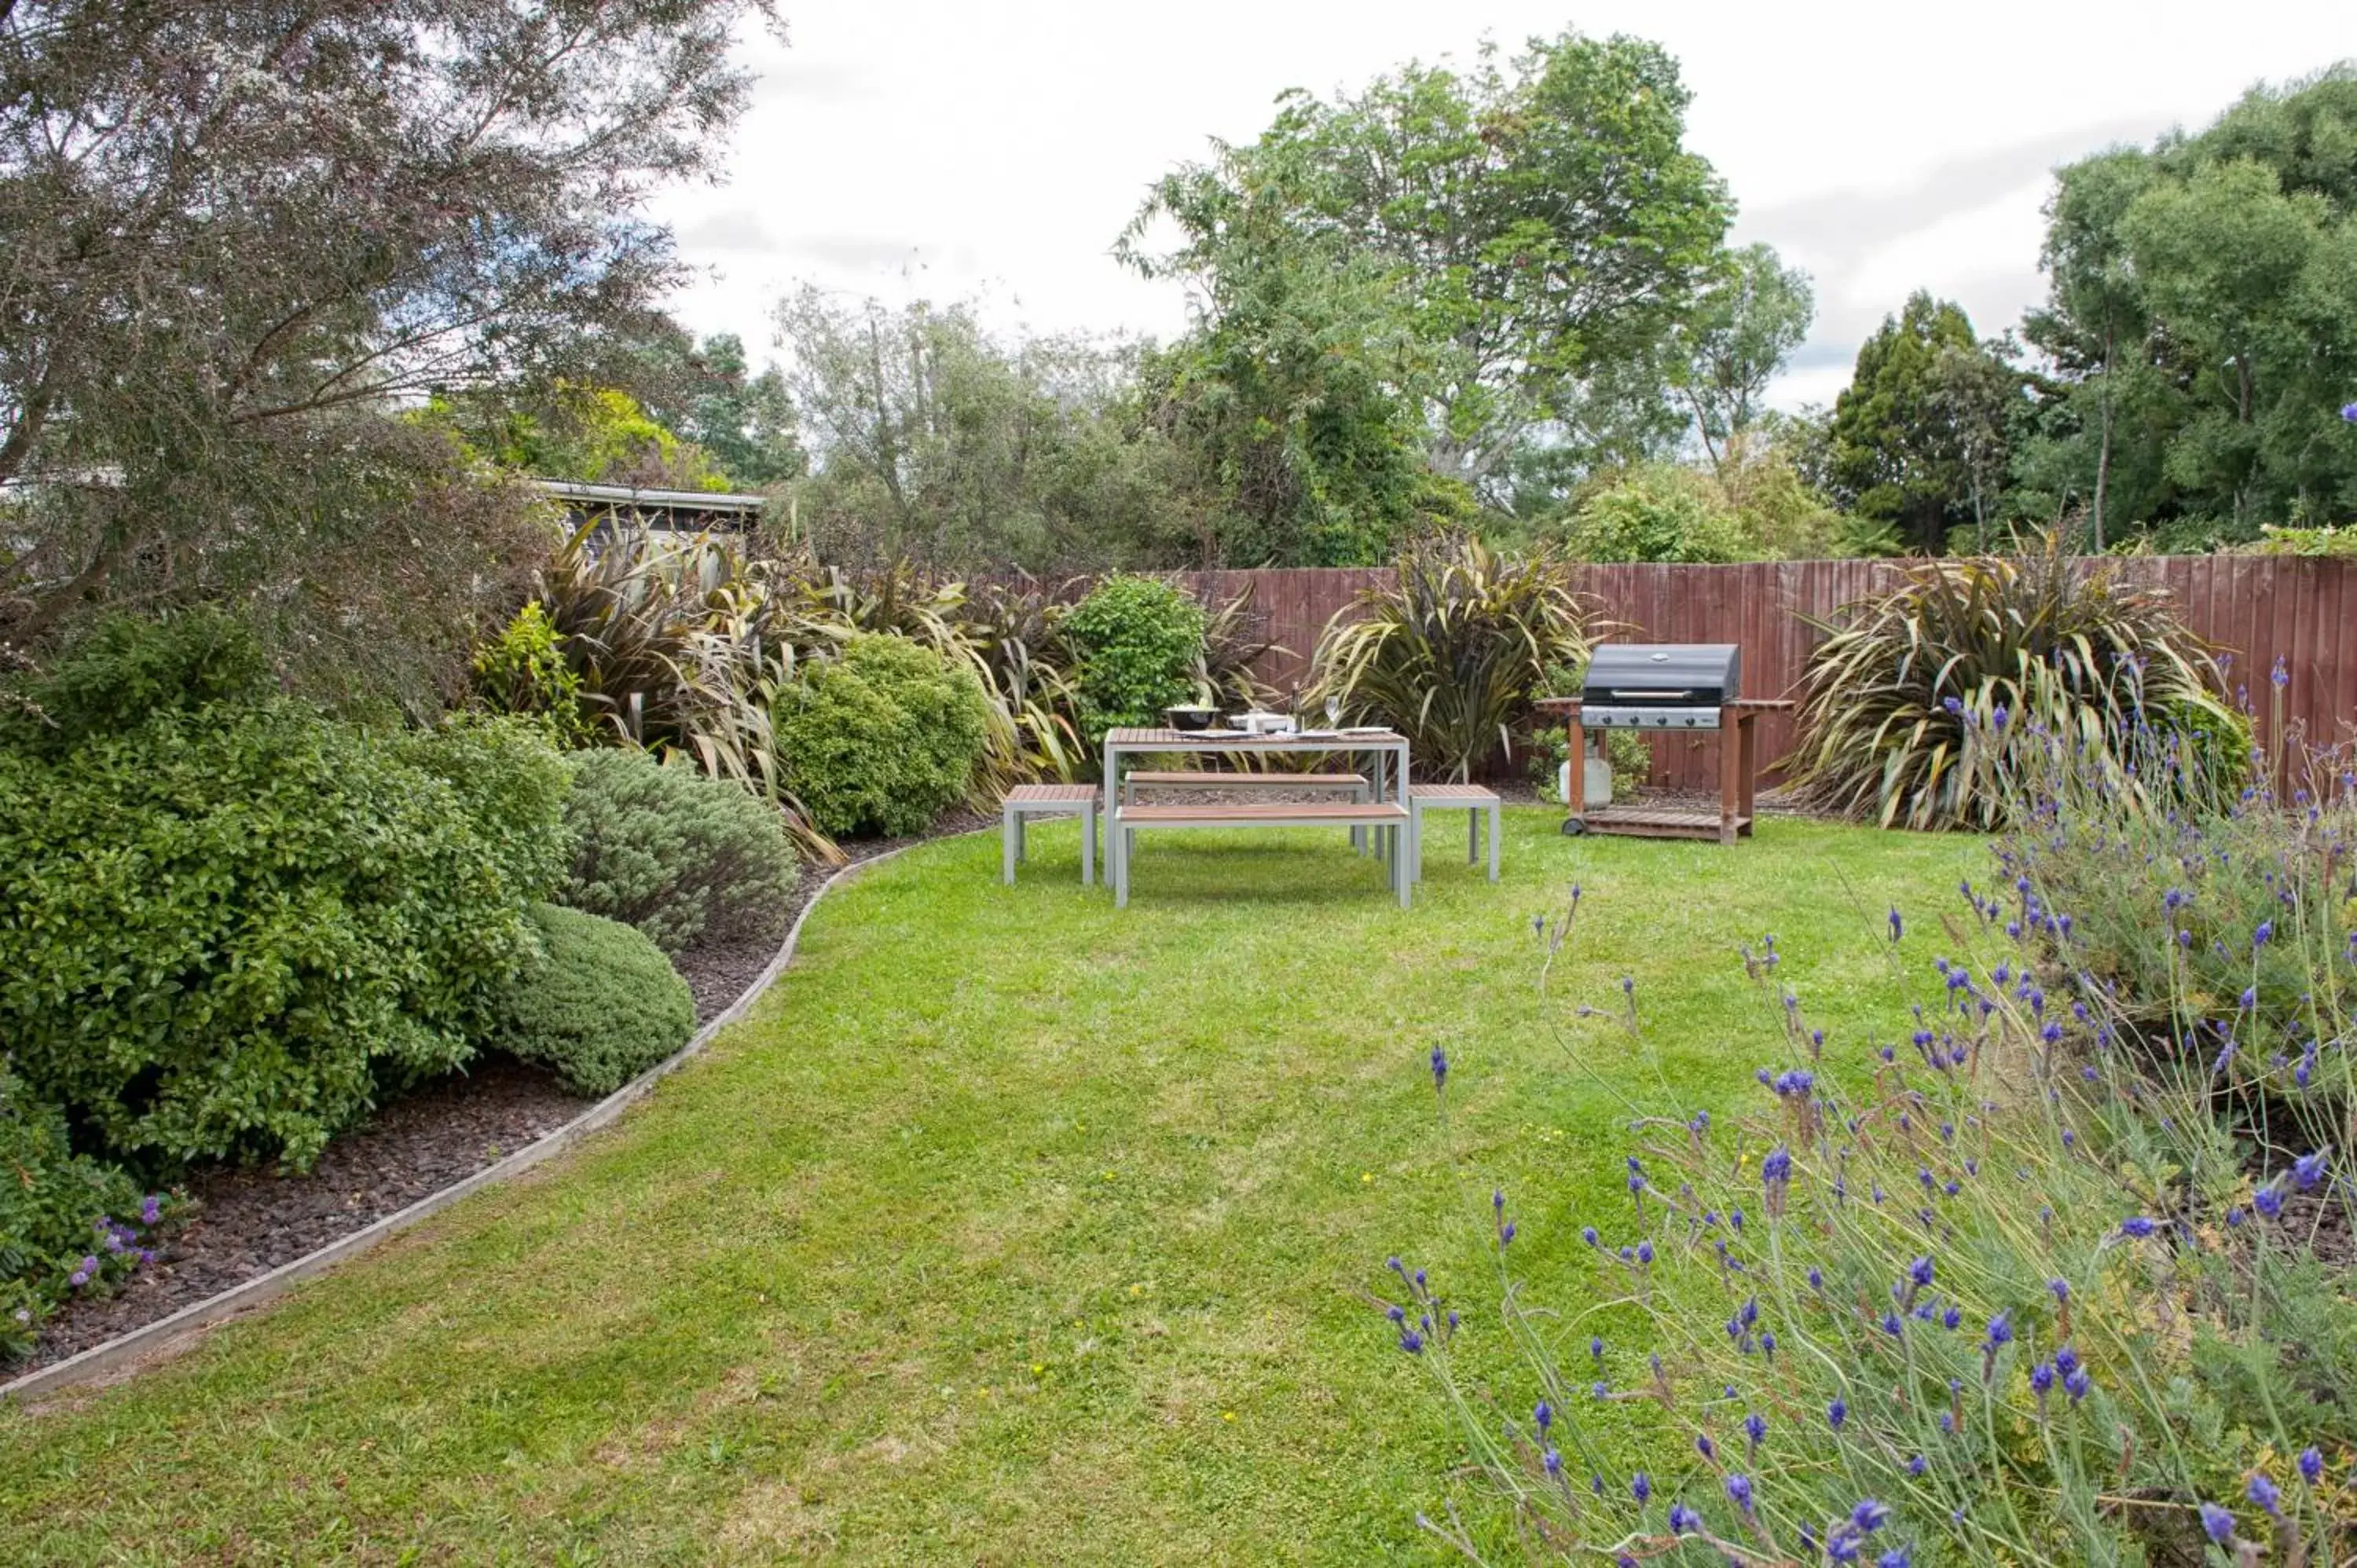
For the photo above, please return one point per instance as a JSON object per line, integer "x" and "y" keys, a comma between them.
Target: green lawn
{"x": 1010, "y": 1228}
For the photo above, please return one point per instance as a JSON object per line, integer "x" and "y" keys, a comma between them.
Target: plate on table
{"x": 1220, "y": 734}
{"x": 1364, "y": 729}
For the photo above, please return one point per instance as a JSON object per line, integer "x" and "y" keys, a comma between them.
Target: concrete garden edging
{"x": 124, "y": 1348}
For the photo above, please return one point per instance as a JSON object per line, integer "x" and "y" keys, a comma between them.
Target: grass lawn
{"x": 1010, "y": 1228}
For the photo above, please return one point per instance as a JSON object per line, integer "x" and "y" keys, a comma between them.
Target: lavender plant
{"x": 1999, "y": 1286}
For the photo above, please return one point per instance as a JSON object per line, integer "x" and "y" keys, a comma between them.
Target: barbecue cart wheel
{"x": 1574, "y": 826}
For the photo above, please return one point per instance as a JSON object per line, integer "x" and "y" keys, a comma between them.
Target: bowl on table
{"x": 1190, "y": 717}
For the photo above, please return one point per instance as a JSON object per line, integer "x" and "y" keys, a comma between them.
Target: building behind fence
{"x": 2257, "y": 608}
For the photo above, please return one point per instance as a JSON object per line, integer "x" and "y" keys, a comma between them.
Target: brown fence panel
{"x": 2255, "y": 607}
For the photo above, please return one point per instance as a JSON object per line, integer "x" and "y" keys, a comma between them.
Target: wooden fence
{"x": 2259, "y": 608}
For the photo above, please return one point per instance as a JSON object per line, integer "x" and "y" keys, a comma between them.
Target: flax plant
{"x": 1450, "y": 655}
{"x": 1918, "y": 695}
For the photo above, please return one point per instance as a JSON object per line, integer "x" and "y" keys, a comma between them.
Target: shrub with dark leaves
{"x": 1919, "y": 697}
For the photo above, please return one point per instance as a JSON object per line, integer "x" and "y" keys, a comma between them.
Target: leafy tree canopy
{"x": 240, "y": 235}
{"x": 2201, "y": 314}
{"x": 1444, "y": 262}
{"x": 1918, "y": 440}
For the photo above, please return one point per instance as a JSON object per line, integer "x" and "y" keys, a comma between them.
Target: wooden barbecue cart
{"x": 1739, "y": 770}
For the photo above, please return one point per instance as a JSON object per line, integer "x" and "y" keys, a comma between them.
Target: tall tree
{"x": 1917, "y": 438}
{"x": 2201, "y": 317}
{"x": 1740, "y": 335}
{"x": 1530, "y": 225}
{"x": 934, "y": 439}
{"x": 236, "y": 234}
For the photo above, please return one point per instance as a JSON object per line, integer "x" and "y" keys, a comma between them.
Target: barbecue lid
{"x": 1664, "y": 673}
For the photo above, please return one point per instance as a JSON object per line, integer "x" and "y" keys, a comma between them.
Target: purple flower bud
{"x": 1683, "y": 1520}
{"x": 2308, "y": 1169}
{"x": 1738, "y": 1491}
{"x": 1439, "y": 1068}
{"x": 2137, "y": 1226}
{"x": 1869, "y": 1516}
{"x": 1837, "y": 1413}
{"x": 2263, "y": 1492}
{"x": 2311, "y": 1465}
{"x": 2217, "y": 1523}
{"x": 1543, "y": 1415}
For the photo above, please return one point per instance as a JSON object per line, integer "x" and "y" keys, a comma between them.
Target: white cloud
{"x": 946, "y": 148}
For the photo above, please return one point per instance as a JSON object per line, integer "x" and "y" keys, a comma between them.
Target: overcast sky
{"x": 955, "y": 148}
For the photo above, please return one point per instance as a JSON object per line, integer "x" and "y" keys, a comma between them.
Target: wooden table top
{"x": 1295, "y": 742}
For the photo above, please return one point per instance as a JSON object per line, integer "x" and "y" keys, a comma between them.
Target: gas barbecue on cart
{"x": 1668, "y": 689}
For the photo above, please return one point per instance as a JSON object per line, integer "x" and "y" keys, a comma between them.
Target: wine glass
{"x": 1333, "y": 709}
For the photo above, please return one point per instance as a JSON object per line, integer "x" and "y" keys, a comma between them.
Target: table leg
{"x": 1730, "y": 763}
{"x": 1750, "y": 749}
{"x": 1006, "y": 843}
{"x": 1089, "y": 845}
{"x": 1574, "y": 795}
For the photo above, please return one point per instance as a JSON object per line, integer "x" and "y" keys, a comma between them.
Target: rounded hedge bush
{"x": 225, "y": 926}
{"x": 881, "y": 739}
{"x": 597, "y": 1002}
{"x": 67, "y": 1222}
{"x": 1136, "y": 640}
{"x": 682, "y": 856}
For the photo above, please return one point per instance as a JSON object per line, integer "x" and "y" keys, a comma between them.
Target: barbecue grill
{"x": 1669, "y": 688}
{"x": 1647, "y": 685}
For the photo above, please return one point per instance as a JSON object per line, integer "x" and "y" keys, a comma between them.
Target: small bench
{"x": 1048, "y": 801}
{"x": 1470, "y": 799}
{"x": 1381, "y": 816}
{"x": 1352, "y": 784}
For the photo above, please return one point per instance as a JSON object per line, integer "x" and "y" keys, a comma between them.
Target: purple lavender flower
{"x": 1411, "y": 1341}
{"x": 1543, "y": 1415}
{"x": 1641, "y": 1486}
{"x": 1738, "y": 1491}
{"x": 1704, "y": 1446}
{"x": 2261, "y": 932}
{"x": 1897, "y": 925}
{"x": 2062, "y": 1289}
{"x": 1896, "y": 1557}
{"x": 2217, "y": 1523}
{"x": 1683, "y": 1520}
{"x": 1869, "y": 1516}
{"x": 1439, "y": 1069}
{"x": 2308, "y": 1169}
{"x": 2311, "y": 1465}
{"x": 1553, "y": 1461}
{"x": 1917, "y": 1467}
{"x": 2264, "y": 1493}
{"x": 2137, "y": 1226}
{"x": 1754, "y": 1428}
{"x": 2268, "y": 1201}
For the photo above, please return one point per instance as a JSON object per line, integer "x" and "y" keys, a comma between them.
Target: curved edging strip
{"x": 102, "y": 1359}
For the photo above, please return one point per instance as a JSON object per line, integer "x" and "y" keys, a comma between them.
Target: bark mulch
{"x": 246, "y": 1222}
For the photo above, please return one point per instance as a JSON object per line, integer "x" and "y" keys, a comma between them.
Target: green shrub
{"x": 1138, "y": 640}
{"x": 522, "y": 672}
{"x": 1661, "y": 513}
{"x": 682, "y": 856}
{"x": 1452, "y": 653}
{"x": 129, "y": 668}
{"x": 223, "y": 929}
{"x": 597, "y": 1002}
{"x": 881, "y": 739}
{"x": 1920, "y": 698}
{"x": 67, "y": 1222}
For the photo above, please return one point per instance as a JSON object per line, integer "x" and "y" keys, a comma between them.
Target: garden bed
{"x": 244, "y": 1222}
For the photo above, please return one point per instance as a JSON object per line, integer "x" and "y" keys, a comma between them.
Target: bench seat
{"x": 1272, "y": 814}
{"x": 1247, "y": 780}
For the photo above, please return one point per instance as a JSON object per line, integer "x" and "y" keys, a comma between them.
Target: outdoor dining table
{"x": 1385, "y": 753}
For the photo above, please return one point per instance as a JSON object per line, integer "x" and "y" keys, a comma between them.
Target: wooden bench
{"x": 1470, "y": 799}
{"x": 1352, "y": 784}
{"x": 1048, "y": 801}
{"x": 1381, "y": 817}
